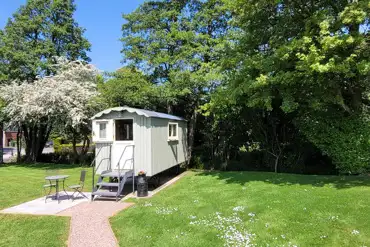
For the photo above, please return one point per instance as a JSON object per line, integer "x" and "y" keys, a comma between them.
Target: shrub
{"x": 345, "y": 139}
{"x": 66, "y": 158}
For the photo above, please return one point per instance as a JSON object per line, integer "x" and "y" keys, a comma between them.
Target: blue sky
{"x": 102, "y": 20}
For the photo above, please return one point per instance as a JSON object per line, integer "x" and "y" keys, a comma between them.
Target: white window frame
{"x": 133, "y": 130}
{"x": 172, "y": 137}
{"x": 106, "y": 130}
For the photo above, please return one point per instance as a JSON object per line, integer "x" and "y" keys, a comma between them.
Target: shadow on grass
{"x": 283, "y": 179}
{"x": 44, "y": 165}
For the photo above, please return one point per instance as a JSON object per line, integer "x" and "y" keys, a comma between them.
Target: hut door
{"x": 124, "y": 136}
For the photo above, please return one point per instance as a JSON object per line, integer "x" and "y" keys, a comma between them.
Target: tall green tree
{"x": 311, "y": 61}
{"x": 36, "y": 33}
{"x": 127, "y": 86}
{"x": 178, "y": 44}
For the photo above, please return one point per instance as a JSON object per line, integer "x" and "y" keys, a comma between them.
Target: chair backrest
{"x": 82, "y": 176}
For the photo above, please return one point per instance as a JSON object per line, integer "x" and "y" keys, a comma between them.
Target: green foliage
{"x": 38, "y": 31}
{"x": 57, "y": 144}
{"x": 178, "y": 44}
{"x": 345, "y": 139}
{"x": 314, "y": 63}
{"x": 127, "y": 86}
{"x": 295, "y": 62}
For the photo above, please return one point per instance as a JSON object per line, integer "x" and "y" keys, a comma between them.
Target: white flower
{"x": 238, "y": 208}
{"x": 251, "y": 214}
{"x": 162, "y": 210}
{"x": 61, "y": 98}
{"x": 355, "y": 232}
{"x": 230, "y": 229}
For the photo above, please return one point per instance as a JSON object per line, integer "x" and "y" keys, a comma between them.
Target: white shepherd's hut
{"x": 129, "y": 140}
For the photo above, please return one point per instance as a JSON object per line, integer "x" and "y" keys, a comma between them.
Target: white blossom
{"x": 63, "y": 97}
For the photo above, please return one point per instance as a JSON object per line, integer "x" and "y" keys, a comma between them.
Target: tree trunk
{"x": 74, "y": 147}
{"x": 36, "y": 137}
{"x": 169, "y": 108}
{"x": 19, "y": 144}
{"x": 191, "y": 135}
{"x": 276, "y": 163}
{"x": 86, "y": 145}
{"x": 28, "y": 140}
{"x": 1, "y": 143}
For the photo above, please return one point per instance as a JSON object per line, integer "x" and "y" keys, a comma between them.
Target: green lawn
{"x": 25, "y": 230}
{"x": 21, "y": 183}
{"x": 264, "y": 209}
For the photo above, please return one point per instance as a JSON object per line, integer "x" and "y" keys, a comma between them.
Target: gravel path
{"x": 90, "y": 224}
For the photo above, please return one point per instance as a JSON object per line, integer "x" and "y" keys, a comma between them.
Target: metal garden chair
{"x": 49, "y": 185}
{"x": 80, "y": 186}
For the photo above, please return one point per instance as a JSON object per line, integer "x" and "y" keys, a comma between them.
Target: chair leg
{"x": 73, "y": 195}
{"x": 65, "y": 190}
{"x": 81, "y": 193}
{"x": 47, "y": 195}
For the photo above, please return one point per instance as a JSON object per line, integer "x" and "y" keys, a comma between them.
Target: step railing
{"x": 95, "y": 168}
{"x": 133, "y": 165}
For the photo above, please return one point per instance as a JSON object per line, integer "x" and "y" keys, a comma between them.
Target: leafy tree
{"x": 178, "y": 44}
{"x": 307, "y": 60}
{"x": 37, "y": 32}
{"x": 127, "y": 86}
{"x": 50, "y": 101}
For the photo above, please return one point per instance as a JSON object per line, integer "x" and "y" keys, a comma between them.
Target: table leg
{"x": 57, "y": 189}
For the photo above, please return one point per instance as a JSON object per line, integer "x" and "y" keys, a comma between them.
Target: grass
{"x": 22, "y": 230}
{"x": 21, "y": 183}
{"x": 266, "y": 209}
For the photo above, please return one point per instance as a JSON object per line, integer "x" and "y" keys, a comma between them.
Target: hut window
{"x": 102, "y": 130}
{"x": 172, "y": 131}
{"x": 124, "y": 130}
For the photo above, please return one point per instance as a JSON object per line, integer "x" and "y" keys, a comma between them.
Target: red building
{"x": 9, "y": 136}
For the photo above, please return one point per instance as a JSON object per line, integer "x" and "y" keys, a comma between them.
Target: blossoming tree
{"x": 62, "y": 98}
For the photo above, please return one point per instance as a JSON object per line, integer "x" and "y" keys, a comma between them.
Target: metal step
{"x": 104, "y": 193}
{"x": 114, "y": 174}
{"x": 105, "y": 184}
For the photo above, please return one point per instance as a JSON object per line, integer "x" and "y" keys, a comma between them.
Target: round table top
{"x": 56, "y": 177}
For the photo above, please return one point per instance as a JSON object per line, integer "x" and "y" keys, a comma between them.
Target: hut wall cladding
{"x": 143, "y": 144}
{"x": 165, "y": 153}
{"x": 142, "y": 138}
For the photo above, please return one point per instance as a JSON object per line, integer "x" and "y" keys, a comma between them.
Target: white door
{"x": 122, "y": 149}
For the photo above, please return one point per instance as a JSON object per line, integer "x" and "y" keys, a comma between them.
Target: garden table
{"x": 57, "y": 179}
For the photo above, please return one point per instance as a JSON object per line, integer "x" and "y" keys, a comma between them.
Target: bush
{"x": 345, "y": 139}
{"x": 66, "y": 158}
{"x": 60, "y": 147}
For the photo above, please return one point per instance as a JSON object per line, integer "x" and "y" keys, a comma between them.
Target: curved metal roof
{"x": 141, "y": 112}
